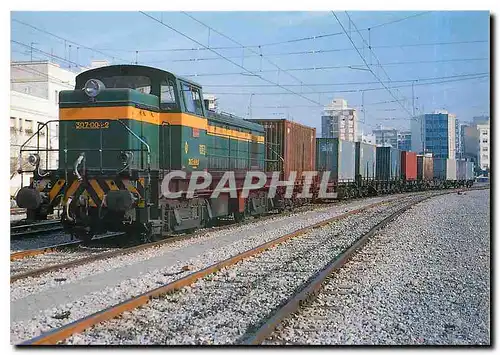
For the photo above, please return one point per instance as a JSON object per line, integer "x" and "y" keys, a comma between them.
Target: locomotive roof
{"x": 82, "y": 78}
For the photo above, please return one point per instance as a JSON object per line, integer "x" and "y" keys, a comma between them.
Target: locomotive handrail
{"x": 148, "y": 160}
{"x": 28, "y": 147}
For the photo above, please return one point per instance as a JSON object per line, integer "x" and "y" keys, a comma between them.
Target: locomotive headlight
{"x": 93, "y": 87}
{"x": 34, "y": 159}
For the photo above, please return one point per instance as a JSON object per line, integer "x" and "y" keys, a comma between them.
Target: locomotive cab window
{"x": 134, "y": 82}
{"x": 192, "y": 99}
{"x": 167, "y": 96}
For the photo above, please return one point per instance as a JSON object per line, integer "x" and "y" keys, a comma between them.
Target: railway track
{"x": 282, "y": 245}
{"x": 32, "y": 230}
{"x": 180, "y": 284}
{"x": 82, "y": 259}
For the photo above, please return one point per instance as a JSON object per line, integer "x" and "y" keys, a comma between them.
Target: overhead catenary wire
{"x": 346, "y": 66}
{"x": 318, "y": 51}
{"x": 242, "y": 46}
{"x": 49, "y": 54}
{"x": 301, "y": 39}
{"x": 371, "y": 50}
{"x": 229, "y": 60}
{"x": 69, "y": 41}
{"x": 364, "y": 60}
{"x": 350, "y": 83}
{"x": 353, "y": 90}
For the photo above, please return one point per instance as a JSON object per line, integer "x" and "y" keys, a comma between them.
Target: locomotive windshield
{"x": 136, "y": 82}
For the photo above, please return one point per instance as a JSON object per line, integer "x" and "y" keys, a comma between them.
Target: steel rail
{"x": 28, "y": 230}
{"x": 59, "y": 334}
{"x": 96, "y": 257}
{"x": 57, "y": 247}
{"x": 313, "y": 286}
{"x": 110, "y": 254}
{"x": 33, "y": 252}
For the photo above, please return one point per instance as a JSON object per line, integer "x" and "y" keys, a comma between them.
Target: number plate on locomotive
{"x": 91, "y": 125}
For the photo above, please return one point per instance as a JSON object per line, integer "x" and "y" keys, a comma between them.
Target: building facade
{"x": 434, "y": 133}
{"x": 484, "y": 146}
{"x": 339, "y": 121}
{"x": 210, "y": 102}
{"x": 386, "y": 137}
{"x": 34, "y": 101}
{"x": 404, "y": 141}
{"x": 367, "y": 138}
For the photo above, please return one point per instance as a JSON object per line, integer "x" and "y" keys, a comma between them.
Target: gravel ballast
{"x": 80, "y": 291}
{"x": 425, "y": 279}
{"x": 221, "y": 307}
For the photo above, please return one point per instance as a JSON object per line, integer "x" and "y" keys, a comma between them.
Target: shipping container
{"x": 461, "y": 169}
{"x": 388, "y": 163}
{"x": 469, "y": 170}
{"x": 445, "y": 169}
{"x": 408, "y": 165}
{"x": 425, "y": 168}
{"x": 290, "y": 146}
{"x": 337, "y": 156}
{"x": 366, "y": 160}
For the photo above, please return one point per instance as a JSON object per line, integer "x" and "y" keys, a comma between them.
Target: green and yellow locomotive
{"x": 121, "y": 130}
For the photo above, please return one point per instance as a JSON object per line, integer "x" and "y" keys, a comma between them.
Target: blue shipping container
{"x": 337, "y": 156}
{"x": 388, "y": 165}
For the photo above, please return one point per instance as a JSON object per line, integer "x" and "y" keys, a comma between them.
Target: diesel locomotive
{"x": 121, "y": 130}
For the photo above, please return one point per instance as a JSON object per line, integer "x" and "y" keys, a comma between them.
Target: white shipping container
{"x": 445, "y": 169}
{"x": 469, "y": 170}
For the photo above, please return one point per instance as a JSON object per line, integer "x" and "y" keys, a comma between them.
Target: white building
{"x": 339, "y": 121}
{"x": 210, "y": 102}
{"x": 386, "y": 137}
{"x": 34, "y": 95}
{"x": 367, "y": 138}
{"x": 484, "y": 145}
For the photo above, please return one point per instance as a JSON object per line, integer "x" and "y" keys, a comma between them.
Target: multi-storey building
{"x": 386, "y": 137}
{"x": 434, "y": 133}
{"x": 367, "y": 138}
{"x": 484, "y": 146}
{"x": 210, "y": 102}
{"x": 34, "y": 97}
{"x": 404, "y": 140}
{"x": 339, "y": 121}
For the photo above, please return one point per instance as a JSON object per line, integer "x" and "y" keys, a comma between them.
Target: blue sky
{"x": 116, "y": 36}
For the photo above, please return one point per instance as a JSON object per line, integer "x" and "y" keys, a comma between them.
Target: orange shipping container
{"x": 290, "y": 146}
{"x": 408, "y": 165}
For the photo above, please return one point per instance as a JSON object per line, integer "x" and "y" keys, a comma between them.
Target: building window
{"x": 56, "y": 97}
{"x": 485, "y": 149}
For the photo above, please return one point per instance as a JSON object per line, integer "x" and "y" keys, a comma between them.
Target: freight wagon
{"x": 337, "y": 157}
{"x": 465, "y": 172}
{"x": 366, "y": 163}
{"x": 388, "y": 171}
{"x": 445, "y": 171}
{"x": 425, "y": 168}
{"x": 290, "y": 146}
